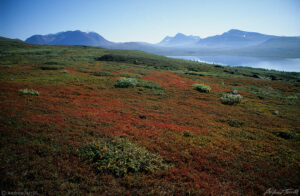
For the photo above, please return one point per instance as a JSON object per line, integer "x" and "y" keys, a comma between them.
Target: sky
{"x": 148, "y": 20}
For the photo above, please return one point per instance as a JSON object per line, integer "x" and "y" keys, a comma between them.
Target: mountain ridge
{"x": 232, "y": 42}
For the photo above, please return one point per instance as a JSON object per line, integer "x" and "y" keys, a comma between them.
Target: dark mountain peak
{"x": 76, "y": 37}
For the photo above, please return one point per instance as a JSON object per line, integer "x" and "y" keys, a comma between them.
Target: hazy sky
{"x": 148, "y": 20}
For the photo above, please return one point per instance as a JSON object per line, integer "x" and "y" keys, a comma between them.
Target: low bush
{"x": 126, "y": 82}
{"x": 194, "y": 73}
{"x": 234, "y": 123}
{"x": 64, "y": 71}
{"x": 231, "y": 99}
{"x": 84, "y": 70}
{"x": 202, "y": 88}
{"x": 129, "y": 75}
{"x": 102, "y": 73}
{"x": 29, "y": 92}
{"x": 120, "y": 156}
{"x": 133, "y": 82}
{"x": 51, "y": 67}
{"x": 188, "y": 134}
{"x": 147, "y": 84}
{"x": 285, "y": 135}
{"x": 52, "y": 63}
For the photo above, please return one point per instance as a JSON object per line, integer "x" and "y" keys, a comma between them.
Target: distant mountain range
{"x": 180, "y": 40}
{"x": 233, "y": 42}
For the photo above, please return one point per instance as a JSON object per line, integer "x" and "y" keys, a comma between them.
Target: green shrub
{"x": 231, "y": 99}
{"x": 133, "y": 82}
{"x": 51, "y": 67}
{"x": 147, "y": 84}
{"x": 52, "y": 63}
{"x": 120, "y": 157}
{"x": 5, "y": 66}
{"x": 102, "y": 73}
{"x": 194, "y": 73}
{"x": 29, "y": 92}
{"x": 286, "y": 135}
{"x": 126, "y": 82}
{"x": 188, "y": 134}
{"x": 84, "y": 70}
{"x": 202, "y": 88}
{"x": 64, "y": 71}
{"x": 129, "y": 75}
{"x": 234, "y": 123}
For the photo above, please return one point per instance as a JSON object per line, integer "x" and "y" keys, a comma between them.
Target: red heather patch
{"x": 169, "y": 79}
{"x": 73, "y": 71}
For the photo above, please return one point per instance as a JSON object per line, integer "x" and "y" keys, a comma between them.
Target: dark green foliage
{"x": 51, "y": 67}
{"x": 120, "y": 156}
{"x": 285, "y": 135}
{"x": 234, "y": 123}
{"x": 109, "y": 57}
{"x": 188, "y": 134}
{"x": 194, "y": 73}
{"x": 102, "y": 73}
{"x": 52, "y": 63}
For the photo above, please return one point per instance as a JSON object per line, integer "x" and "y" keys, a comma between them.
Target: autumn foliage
{"x": 85, "y": 135}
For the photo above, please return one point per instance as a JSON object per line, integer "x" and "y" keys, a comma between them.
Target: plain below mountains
{"x": 233, "y": 42}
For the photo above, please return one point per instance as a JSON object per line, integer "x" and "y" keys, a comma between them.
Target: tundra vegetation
{"x": 155, "y": 135}
{"x": 202, "y": 88}
{"x": 231, "y": 99}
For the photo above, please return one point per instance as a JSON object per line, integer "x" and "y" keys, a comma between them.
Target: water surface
{"x": 271, "y": 63}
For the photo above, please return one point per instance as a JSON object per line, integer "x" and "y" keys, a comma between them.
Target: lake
{"x": 274, "y": 63}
